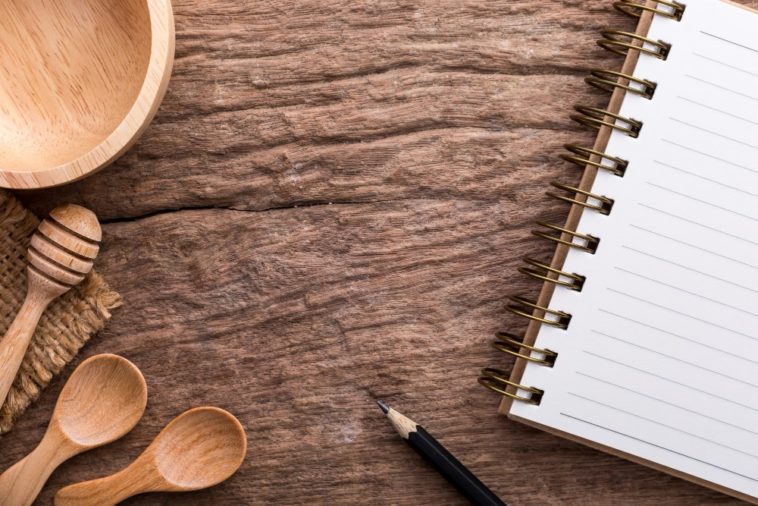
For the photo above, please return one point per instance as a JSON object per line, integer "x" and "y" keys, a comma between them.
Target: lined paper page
{"x": 661, "y": 357}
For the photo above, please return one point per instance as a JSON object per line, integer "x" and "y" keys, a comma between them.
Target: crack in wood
{"x": 300, "y": 205}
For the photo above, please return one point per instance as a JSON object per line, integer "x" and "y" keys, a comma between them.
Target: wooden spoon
{"x": 60, "y": 256}
{"x": 200, "y": 448}
{"x": 103, "y": 400}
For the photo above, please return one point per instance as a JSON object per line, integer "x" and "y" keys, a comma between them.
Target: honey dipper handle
{"x": 106, "y": 491}
{"x": 16, "y": 340}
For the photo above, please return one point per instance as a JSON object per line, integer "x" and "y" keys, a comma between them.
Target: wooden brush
{"x": 60, "y": 256}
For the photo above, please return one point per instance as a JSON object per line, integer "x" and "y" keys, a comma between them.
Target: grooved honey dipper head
{"x": 62, "y": 249}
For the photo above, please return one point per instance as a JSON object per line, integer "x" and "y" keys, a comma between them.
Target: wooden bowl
{"x": 79, "y": 82}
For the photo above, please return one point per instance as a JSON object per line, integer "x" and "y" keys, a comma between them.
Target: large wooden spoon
{"x": 200, "y": 448}
{"x": 102, "y": 401}
{"x": 60, "y": 256}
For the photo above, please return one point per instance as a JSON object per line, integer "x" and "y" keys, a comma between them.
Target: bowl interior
{"x": 69, "y": 74}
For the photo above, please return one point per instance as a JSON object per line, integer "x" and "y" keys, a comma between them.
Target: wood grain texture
{"x": 330, "y": 208}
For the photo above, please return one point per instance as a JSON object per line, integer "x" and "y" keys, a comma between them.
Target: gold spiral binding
{"x": 512, "y": 345}
{"x": 589, "y": 245}
{"x": 636, "y": 9}
{"x": 496, "y": 380}
{"x": 620, "y": 42}
{"x": 603, "y": 206}
{"x": 541, "y": 271}
{"x": 526, "y": 308}
{"x": 607, "y": 80}
{"x": 583, "y": 157}
{"x": 595, "y": 117}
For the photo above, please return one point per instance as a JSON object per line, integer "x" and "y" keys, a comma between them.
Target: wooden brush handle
{"x": 16, "y": 340}
{"x": 106, "y": 491}
{"x": 21, "y": 484}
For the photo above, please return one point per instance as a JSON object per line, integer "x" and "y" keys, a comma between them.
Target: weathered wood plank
{"x": 318, "y": 91}
{"x": 432, "y": 126}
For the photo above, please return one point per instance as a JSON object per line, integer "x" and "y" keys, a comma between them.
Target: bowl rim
{"x": 157, "y": 76}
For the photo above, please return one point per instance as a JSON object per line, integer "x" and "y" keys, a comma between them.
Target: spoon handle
{"x": 106, "y": 491}
{"x": 21, "y": 484}
{"x": 16, "y": 341}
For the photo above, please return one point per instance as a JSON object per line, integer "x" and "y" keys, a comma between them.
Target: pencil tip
{"x": 385, "y": 408}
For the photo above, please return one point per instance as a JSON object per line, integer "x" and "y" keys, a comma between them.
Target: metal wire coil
{"x": 621, "y": 42}
{"x": 636, "y": 9}
{"x": 596, "y": 118}
{"x": 512, "y": 345}
{"x": 604, "y": 204}
{"x": 607, "y": 80}
{"x": 497, "y": 381}
{"x": 583, "y": 157}
{"x": 541, "y": 271}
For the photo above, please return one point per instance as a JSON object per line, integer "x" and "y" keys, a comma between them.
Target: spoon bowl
{"x": 79, "y": 82}
{"x": 101, "y": 402}
{"x": 200, "y": 448}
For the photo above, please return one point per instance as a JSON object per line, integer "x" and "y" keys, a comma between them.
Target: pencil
{"x": 436, "y": 454}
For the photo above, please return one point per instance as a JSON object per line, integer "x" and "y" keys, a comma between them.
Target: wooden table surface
{"x": 329, "y": 209}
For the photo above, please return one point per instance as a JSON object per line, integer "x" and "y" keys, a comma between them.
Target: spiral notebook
{"x": 644, "y": 339}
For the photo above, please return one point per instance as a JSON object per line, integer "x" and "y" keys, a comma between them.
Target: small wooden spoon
{"x": 60, "y": 256}
{"x": 102, "y": 401}
{"x": 200, "y": 448}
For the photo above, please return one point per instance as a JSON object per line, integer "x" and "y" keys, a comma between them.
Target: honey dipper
{"x": 60, "y": 256}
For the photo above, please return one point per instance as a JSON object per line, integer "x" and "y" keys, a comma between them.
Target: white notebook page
{"x": 660, "y": 359}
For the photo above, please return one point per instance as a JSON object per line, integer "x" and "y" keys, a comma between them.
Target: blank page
{"x": 660, "y": 359}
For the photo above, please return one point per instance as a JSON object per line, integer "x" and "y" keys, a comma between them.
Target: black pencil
{"x": 429, "y": 448}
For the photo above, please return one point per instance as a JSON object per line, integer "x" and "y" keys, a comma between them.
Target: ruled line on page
{"x": 702, "y": 201}
{"x": 749, "y": 48}
{"x": 701, "y": 225}
{"x": 679, "y": 336}
{"x": 723, "y": 88}
{"x": 711, "y": 132}
{"x": 694, "y": 246}
{"x": 716, "y": 109}
{"x": 673, "y": 381}
{"x": 682, "y": 313}
{"x": 693, "y": 174}
{"x": 671, "y": 357}
{"x": 714, "y": 60}
{"x": 657, "y": 422}
{"x": 688, "y": 292}
{"x": 709, "y": 155}
{"x": 660, "y": 447}
{"x": 691, "y": 269}
{"x": 663, "y": 401}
